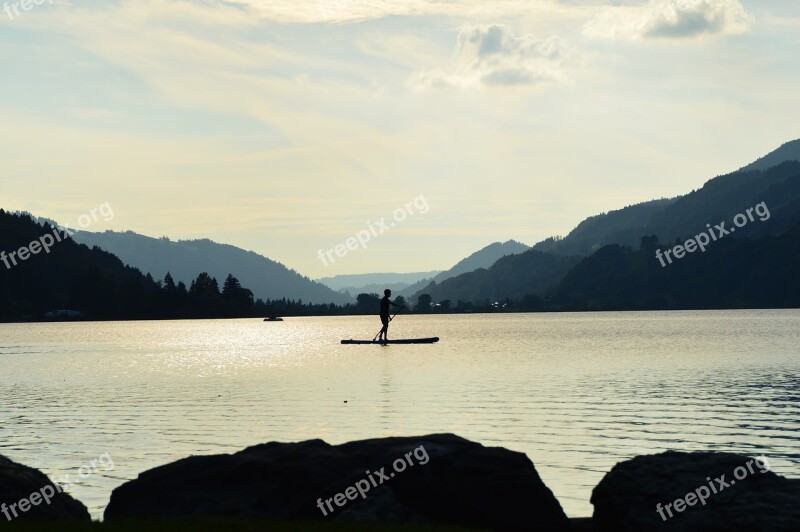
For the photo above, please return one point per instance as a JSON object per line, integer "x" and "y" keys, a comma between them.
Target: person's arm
{"x": 397, "y": 304}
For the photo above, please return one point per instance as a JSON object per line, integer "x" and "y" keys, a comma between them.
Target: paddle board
{"x": 407, "y": 341}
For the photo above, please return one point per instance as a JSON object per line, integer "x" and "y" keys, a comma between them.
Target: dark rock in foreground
{"x": 28, "y": 494}
{"x": 750, "y": 498}
{"x": 452, "y": 482}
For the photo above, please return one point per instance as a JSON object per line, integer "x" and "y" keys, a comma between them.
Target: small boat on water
{"x": 385, "y": 342}
{"x": 273, "y": 318}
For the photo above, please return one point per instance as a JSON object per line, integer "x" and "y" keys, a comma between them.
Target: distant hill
{"x": 788, "y": 152}
{"x": 483, "y": 258}
{"x": 512, "y": 277}
{"x": 187, "y": 258}
{"x": 410, "y": 292}
{"x": 374, "y": 282}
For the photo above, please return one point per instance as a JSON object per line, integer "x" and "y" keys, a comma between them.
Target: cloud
{"x": 671, "y": 19}
{"x": 495, "y": 56}
{"x": 343, "y": 11}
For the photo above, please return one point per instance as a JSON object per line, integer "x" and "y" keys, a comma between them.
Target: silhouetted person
{"x": 385, "y": 304}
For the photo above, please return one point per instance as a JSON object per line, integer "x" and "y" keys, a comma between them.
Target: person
{"x": 385, "y": 304}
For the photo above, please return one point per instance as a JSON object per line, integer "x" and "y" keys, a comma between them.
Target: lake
{"x": 576, "y": 392}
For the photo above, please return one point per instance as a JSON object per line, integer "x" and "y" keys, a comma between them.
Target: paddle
{"x": 379, "y": 332}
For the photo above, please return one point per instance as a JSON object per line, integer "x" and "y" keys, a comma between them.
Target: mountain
{"x": 772, "y": 197}
{"x": 374, "y": 282}
{"x": 719, "y": 199}
{"x": 666, "y": 216}
{"x": 623, "y": 225}
{"x": 63, "y": 275}
{"x": 736, "y": 273}
{"x": 185, "y": 259}
{"x": 788, "y": 152}
{"x": 723, "y": 197}
{"x": 483, "y": 258}
{"x": 411, "y": 291}
{"x": 512, "y": 277}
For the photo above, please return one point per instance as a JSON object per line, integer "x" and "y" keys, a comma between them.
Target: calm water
{"x": 575, "y": 392}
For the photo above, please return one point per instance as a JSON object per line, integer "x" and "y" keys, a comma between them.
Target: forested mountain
{"x": 43, "y": 270}
{"x": 512, "y": 276}
{"x": 187, "y": 258}
{"x": 772, "y": 195}
{"x": 788, "y": 152}
{"x": 623, "y": 225}
{"x": 483, "y": 258}
{"x": 720, "y": 198}
{"x": 726, "y": 196}
{"x": 736, "y": 273}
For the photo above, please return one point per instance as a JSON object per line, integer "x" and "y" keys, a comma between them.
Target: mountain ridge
{"x": 789, "y": 151}
{"x": 776, "y": 189}
{"x": 185, "y": 259}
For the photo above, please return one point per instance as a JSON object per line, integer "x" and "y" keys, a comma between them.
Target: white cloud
{"x": 343, "y": 11}
{"x": 495, "y": 56}
{"x": 671, "y": 19}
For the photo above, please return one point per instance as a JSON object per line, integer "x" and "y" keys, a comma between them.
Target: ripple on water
{"x": 576, "y": 392}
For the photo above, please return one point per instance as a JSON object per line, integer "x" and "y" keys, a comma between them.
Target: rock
{"x": 452, "y": 482}
{"x": 627, "y": 497}
{"x": 22, "y": 486}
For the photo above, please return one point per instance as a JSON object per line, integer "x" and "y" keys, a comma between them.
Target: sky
{"x": 430, "y": 128}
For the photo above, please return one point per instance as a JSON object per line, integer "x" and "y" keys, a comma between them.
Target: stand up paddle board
{"x": 377, "y": 342}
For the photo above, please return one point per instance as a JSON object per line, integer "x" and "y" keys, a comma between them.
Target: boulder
{"x": 748, "y": 497}
{"x": 438, "y": 479}
{"x": 28, "y": 494}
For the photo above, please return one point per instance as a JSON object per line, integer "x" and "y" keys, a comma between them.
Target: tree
{"x": 203, "y": 284}
{"x": 463, "y": 306}
{"x": 205, "y": 297}
{"x": 649, "y": 243}
{"x": 231, "y": 286}
{"x": 368, "y": 303}
{"x": 169, "y": 283}
{"x": 531, "y": 302}
{"x": 423, "y": 303}
{"x": 239, "y": 302}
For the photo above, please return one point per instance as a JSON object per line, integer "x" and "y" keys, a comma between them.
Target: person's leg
{"x": 384, "y": 329}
